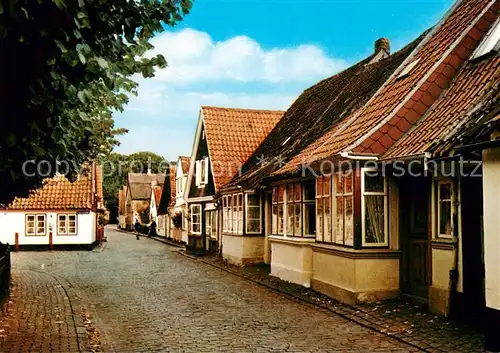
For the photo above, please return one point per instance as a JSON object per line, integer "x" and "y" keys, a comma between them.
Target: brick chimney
{"x": 382, "y": 44}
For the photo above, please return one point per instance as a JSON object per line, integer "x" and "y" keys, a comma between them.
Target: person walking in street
{"x": 137, "y": 227}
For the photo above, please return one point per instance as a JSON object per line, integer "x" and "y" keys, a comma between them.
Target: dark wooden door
{"x": 414, "y": 235}
{"x": 473, "y": 256}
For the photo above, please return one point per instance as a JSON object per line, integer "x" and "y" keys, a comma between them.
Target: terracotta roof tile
{"x": 173, "y": 184}
{"x": 232, "y": 135}
{"x": 389, "y": 101}
{"x": 185, "y": 161}
{"x": 58, "y": 193}
{"x": 467, "y": 90}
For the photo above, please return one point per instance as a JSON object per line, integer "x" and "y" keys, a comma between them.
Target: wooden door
{"x": 414, "y": 236}
{"x": 473, "y": 254}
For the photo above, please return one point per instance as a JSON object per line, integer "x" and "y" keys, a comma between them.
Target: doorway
{"x": 414, "y": 236}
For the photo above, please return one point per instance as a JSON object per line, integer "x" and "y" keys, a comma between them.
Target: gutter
{"x": 359, "y": 157}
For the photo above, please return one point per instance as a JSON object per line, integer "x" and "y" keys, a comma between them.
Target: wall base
{"x": 439, "y": 300}
{"x": 350, "y": 297}
{"x": 291, "y": 260}
{"x": 241, "y": 250}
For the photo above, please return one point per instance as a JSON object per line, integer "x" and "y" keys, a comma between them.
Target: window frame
{"x": 191, "y": 223}
{"x": 67, "y": 222}
{"x": 302, "y": 203}
{"x": 35, "y": 224}
{"x": 247, "y": 206}
{"x": 438, "y": 183}
{"x": 363, "y": 210}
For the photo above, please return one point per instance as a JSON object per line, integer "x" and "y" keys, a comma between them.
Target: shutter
{"x": 206, "y": 171}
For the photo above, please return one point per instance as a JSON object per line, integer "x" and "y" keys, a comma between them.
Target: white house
{"x": 59, "y": 213}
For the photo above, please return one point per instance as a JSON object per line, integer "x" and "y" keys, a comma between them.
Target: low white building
{"x": 59, "y": 213}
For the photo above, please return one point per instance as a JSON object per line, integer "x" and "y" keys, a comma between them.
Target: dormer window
{"x": 408, "y": 68}
{"x": 202, "y": 172}
{"x": 490, "y": 43}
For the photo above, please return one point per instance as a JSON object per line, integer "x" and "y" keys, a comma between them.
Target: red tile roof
{"x": 232, "y": 135}
{"x": 451, "y": 111}
{"x": 185, "y": 161}
{"x": 157, "y": 190}
{"x": 58, "y": 193}
{"x": 403, "y": 100}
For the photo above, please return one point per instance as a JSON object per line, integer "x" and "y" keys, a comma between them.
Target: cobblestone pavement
{"x": 403, "y": 319}
{"x": 145, "y": 297}
{"x": 39, "y": 317}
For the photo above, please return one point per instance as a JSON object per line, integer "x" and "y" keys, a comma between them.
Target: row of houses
{"x": 381, "y": 180}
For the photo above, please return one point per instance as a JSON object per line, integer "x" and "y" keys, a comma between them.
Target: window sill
{"x": 352, "y": 253}
{"x": 444, "y": 243}
{"x": 292, "y": 240}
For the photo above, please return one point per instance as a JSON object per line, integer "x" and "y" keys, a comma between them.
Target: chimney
{"x": 382, "y": 44}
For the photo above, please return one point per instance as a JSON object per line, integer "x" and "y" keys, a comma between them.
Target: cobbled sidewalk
{"x": 41, "y": 315}
{"x": 407, "y": 321}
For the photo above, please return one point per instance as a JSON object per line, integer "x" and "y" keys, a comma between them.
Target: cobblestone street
{"x": 144, "y": 296}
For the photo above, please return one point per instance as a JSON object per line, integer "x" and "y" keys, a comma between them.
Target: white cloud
{"x": 194, "y": 57}
{"x": 162, "y": 118}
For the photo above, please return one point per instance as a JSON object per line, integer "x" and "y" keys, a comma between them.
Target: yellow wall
{"x": 243, "y": 250}
{"x": 291, "y": 260}
{"x": 352, "y": 280}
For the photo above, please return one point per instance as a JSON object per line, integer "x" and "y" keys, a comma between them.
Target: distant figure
{"x": 137, "y": 227}
{"x": 152, "y": 229}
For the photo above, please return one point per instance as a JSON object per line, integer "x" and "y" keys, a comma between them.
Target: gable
{"x": 200, "y": 153}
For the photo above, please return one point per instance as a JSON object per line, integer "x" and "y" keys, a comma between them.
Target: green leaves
{"x": 68, "y": 70}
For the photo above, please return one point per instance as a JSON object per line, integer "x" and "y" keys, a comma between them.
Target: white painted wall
{"x": 491, "y": 200}
{"x": 14, "y": 221}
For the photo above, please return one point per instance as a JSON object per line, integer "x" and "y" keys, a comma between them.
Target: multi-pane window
{"x": 323, "y": 209}
{"x": 297, "y": 202}
{"x": 343, "y": 209}
{"x": 227, "y": 213}
{"x": 66, "y": 224}
{"x": 195, "y": 219}
{"x": 232, "y": 207}
{"x": 35, "y": 225}
{"x": 374, "y": 208}
{"x": 211, "y": 224}
{"x": 444, "y": 209}
{"x": 253, "y": 214}
{"x": 334, "y": 209}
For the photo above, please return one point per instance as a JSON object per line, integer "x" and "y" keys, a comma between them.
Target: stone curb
{"x": 292, "y": 296}
{"x": 160, "y": 239}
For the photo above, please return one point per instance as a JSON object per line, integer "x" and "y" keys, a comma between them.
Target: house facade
{"x": 224, "y": 140}
{"x": 59, "y": 213}
{"x": 396, "y": 193}
{"x": 138, "y": 197}
{"x": 156, "y": 193}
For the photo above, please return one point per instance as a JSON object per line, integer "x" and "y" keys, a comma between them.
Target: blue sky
{"x": 258, "y": 54}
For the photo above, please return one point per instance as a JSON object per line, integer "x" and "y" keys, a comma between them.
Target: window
{"x": 66, "y": 224}
{"x": 35, "y": 224}
{"x": 195, "y": 219}
{"x": 323, "y": 209}
{"x": 343, "y": 209}
{"x": 374, "y": 208}
{"x": 202, "y": 172}
{"x": 214, "y": 224}
{"x": 232, "y": 207}
{"x": 253, "y": 214}
{"x": 297, "y": 202}
{"x": 444, "y": 209}
{"x": 211, "y": 224}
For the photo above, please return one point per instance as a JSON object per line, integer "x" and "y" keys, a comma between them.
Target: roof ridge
{"x": 243, "y": 109}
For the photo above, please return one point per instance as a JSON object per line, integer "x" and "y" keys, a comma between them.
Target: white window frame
{"x": 247, "y": 206}
{"x": 66, "y": 222}
{"x": 438, "y": 211}
{"x": 363, "y": 211}
{"x": 35, "y": 224}
{"x": 191, "y": 223}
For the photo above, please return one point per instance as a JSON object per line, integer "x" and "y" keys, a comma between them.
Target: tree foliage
{"x": 116, "y": 167}
{"x": 66, "y": 67}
